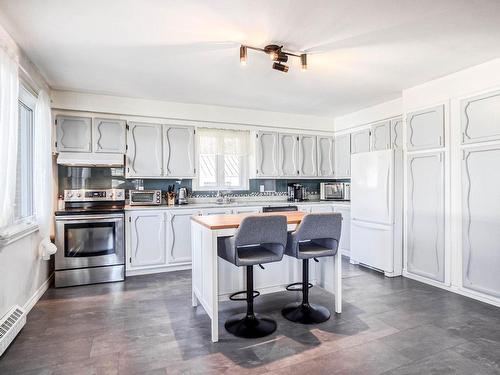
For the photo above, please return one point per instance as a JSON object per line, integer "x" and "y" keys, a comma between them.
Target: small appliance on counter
{"x": 145, "y": 197}
{"x": 330, "y": 191}
{"x": 296, "y": 193}
{"x": 182, "y": 196}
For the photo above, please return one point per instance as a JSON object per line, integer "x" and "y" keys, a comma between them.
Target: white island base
{"x": 214, "y": 279}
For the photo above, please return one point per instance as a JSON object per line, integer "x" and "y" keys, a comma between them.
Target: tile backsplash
{"x": 107, "y": 178}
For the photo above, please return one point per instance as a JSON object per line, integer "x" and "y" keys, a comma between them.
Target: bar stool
{"x": 317, "y": 235}
{"x": 258, "y": 240}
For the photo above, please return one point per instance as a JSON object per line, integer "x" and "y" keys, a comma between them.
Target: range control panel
{"x": 84, "y": 195}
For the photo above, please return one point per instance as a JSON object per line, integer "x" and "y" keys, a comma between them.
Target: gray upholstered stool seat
{"x": 258, "y": 240}
{"x": 317, "y": 235}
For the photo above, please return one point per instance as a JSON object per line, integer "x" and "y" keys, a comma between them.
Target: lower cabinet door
{"x": 345, "y": 235}
{"x": 179, "y": 235}
{"x": 147, "y": 239}
{"x": 321, "y": 208}
{"x": 425, "y": 247}
{"x": 481, "y": 219}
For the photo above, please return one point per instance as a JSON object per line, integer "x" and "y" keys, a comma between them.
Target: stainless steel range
{"x": 90, "y": 237}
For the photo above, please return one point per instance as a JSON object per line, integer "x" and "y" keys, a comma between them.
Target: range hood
{"x": 84, "y": 159}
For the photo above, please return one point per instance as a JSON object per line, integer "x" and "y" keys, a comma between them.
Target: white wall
{"x": 77, "y": 101}
{"x": 22, "y": 272}
{"x": 368, "y": 115}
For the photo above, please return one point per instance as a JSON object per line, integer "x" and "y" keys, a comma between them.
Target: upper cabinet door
{"x": 144, "y": 154}
{"x": 425, "y": 129}
{"x": 397, "y": 133}
{"x": 307, "y": 155}
{"x": 178, "y": 147}
{"x": 108, "y": 135}
{"x": 481, "y": 219}
{"x": 481, "y": 118}
{"x": 360, "y": 141}
{"x": 381, "y": 136}
{"x": 343, "y": 156}
{"x": 326, "y": 158}
{"x": 74, "y": 134}
{"x": 267, "y": 154}
{"x": 288, "y": 154}
{"x": 425, "y": 215}
{"x": 179, "y": 235}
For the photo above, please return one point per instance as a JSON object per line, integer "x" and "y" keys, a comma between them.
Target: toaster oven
{"x": 145, "y": 197}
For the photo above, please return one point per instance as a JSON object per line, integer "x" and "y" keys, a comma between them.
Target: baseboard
{"x": 455, "y": 289}
{"x": 38, "y": 294}
{"x": 149, "y": 271}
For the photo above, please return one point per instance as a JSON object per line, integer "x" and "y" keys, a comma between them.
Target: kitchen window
{"x": 222, "y": 159}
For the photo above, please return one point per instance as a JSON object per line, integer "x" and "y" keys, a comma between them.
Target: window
{"x": 223, "y": 160}
{"x": 23, "y": 200}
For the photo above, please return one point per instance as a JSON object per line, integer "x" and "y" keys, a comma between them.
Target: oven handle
{"x": 80, "y": 218}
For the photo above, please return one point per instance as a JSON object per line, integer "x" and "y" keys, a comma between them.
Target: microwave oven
{"x": 335, "y": 191}
{"x": 145, "y": 197}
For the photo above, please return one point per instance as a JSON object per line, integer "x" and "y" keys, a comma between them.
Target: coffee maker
{"x": 296, "y": 193}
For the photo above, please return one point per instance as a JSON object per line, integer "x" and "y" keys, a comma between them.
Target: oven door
{"x": 89, "y": 241}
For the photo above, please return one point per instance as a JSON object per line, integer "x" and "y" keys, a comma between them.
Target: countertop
{"x": 215, "y": 222}
{"x": 256, "y": 203}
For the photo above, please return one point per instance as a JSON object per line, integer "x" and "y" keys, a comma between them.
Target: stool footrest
{"x": 292, "y": 287}
{"x": 233, "y": 297}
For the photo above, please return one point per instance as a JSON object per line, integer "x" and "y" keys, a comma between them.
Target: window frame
{"x": 219, "y": 178}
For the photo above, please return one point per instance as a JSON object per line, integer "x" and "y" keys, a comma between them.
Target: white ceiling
{"x": 187, "y": 51}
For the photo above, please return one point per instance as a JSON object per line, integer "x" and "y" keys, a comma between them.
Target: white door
{"x": 144, "y": 154}
{"x": 425, "y": 248}
{"x": 397, "y": 133}
{"x": 372, "y": 187}
{"x": 481, "y": 219}
{"x": 481, "y": 118}
{"x": 147, "y": 239}
{"x": 360, "y": 141}
{"x": 343, "y": 156}
{"x": 425, "y": 129}
{"x": 307, "y": 156}
{"x": 178, "y": 148}
{"x": 74, "y": 134}
{"x": 108, "y": 135}
{"x": 179, "y": 235}
{"x": 267, "y": 154}
{"x": 326, "y": 160}
{"x": 288, "y": 154}
{"x": 381, "y": 136}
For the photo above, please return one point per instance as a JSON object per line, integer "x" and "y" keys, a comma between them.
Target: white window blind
{"x": 223, "y": 159}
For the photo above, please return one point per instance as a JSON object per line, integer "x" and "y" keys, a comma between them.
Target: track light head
{"x": 243, "y": 55}
{"x": 281, "y": 67}
{"x": 303, "y": 61}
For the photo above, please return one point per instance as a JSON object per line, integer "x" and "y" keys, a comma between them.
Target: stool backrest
{"x": 319, "y": 226}
{"x": 257, "y": 230}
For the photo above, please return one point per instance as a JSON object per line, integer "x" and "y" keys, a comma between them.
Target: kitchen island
{"x": 214, "y": 279}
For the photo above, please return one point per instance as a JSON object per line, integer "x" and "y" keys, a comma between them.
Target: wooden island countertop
{"x": 228, "y": 221}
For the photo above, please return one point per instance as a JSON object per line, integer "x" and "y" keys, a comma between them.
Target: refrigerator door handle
{"x": 370, "y": 224}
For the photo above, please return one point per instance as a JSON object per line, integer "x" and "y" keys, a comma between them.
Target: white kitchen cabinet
{"x": 179, "y": 235}
{"x": 73, "y": 134}
{"x": 326, "y": 156}
{"x": 360, "y": 141}
{"x": 244, "y": 210}
{"x": 345, "y": 236}
{"x": 425, "y": 129}
{"x": 317, "y": 208}
{"x": 288, "y": 154}
{"x": 481, "y": 118}
{"x": 147, "y": 241}
{"x": 108, "y": 135}
{"x": 216, "y": 211}
{"x": 267, "y": 154}
{"x": 144, "y": 154}
{"x": 178, "y": 151}
{"x": 381, "y": 136}
{"x": 307, "y": 156}
{"x": 343, "y": 156}
{"x": 425, "y": 248}
{"x": 397, "y": 133}
{"x": 481, "y": 219}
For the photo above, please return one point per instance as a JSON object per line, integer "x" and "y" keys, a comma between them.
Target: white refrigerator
{"x": 375, "y": 211}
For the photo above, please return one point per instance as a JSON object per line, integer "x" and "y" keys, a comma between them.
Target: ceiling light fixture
{"x": 276, "y": 54}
